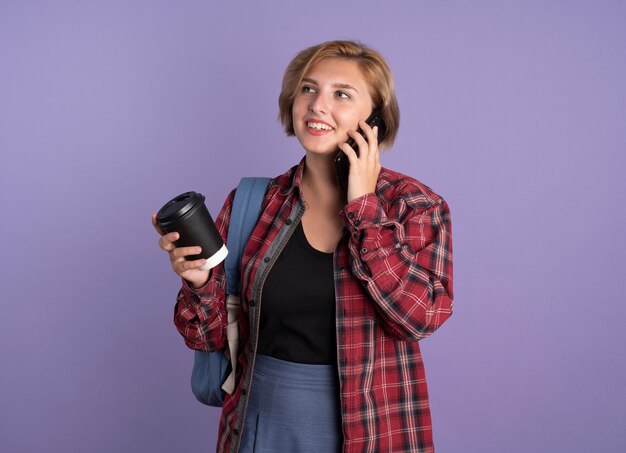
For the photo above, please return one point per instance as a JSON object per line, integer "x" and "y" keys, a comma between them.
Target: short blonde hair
{"x": 373, "y": 67}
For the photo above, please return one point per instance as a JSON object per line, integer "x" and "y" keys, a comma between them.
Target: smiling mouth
{"x": 318, "y": 126}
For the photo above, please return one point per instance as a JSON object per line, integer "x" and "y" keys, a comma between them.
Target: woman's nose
{"x": 318, "y": 105}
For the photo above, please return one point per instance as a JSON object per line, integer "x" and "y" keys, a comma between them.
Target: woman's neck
{"x": 319, "y": 179}
{"x": 322, "y": 224}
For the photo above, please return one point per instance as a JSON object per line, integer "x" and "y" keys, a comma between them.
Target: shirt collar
{"x": 294, "y": 179}
{"x": 298, "y": 174}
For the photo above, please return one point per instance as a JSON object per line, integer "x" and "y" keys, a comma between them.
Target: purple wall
{"x": 514, "y": 111}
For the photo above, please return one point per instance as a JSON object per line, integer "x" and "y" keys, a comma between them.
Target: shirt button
{"x": 351, "y": 215}
{"x": 397, "y": 246}
{"x": 266, "y": 259}
{"x": 340, "y": 269}
{"x": 244, "y": 392}
{"x": 236, "y": 432}
{"x": 252, "y": 303}
{"x": 357, "y": 223}
{"x": 363, "y": 250}
{"x": 288, "y": 222}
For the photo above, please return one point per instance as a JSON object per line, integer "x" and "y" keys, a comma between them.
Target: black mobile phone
{"x": 342, "y": 165}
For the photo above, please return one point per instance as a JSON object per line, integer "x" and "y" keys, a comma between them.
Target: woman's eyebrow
{"x": 343, "y": 86}
{"x": 307, "y": 80}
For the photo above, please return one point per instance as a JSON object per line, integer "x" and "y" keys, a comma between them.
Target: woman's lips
{"x": 317, "y": 127}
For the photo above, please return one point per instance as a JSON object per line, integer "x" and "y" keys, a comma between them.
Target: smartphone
{"x": 342, "y": 165}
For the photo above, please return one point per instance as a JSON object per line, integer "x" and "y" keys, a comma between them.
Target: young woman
{"x": 338, "y": 285}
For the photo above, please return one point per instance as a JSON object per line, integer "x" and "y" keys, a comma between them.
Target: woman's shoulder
{"x": 286, "y": 181}
{"x": 393, "y": 186}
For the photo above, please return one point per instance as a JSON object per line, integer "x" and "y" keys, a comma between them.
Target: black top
{"x": 298, "y": 305}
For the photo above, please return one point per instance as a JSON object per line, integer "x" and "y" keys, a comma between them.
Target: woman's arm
{"x": 200, "y": 313}
{"x": 402, "y": 252}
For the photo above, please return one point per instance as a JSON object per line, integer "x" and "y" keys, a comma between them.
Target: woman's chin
{"x": 320, "y": 147}
{"x": 322, "y": 152}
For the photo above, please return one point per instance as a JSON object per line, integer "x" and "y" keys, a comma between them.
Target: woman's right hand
{"x": 189, "y": 270}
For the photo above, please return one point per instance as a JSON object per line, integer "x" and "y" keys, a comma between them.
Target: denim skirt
{"x": 292, "y": 407}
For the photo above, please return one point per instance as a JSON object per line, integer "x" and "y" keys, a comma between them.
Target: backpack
{"x": 213, "y": 373}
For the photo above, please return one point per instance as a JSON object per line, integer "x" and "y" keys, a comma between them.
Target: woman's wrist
{"x": 200, "y": 283}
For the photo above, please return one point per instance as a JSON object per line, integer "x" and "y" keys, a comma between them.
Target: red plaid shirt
{"x": 393, "y": 287}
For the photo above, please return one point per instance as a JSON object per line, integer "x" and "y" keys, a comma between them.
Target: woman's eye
{"x": 343, "y": 95}
{"x": 308, "y": 89}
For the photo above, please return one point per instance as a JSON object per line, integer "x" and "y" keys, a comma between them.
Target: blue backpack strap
{"x": 211, "y": 369}
{"x": 243, "y": 218}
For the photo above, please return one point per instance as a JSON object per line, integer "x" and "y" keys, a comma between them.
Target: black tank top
{"x": 298, "y": 305}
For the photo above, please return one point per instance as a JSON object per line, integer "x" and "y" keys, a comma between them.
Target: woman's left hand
{"x": 364, "y": 168}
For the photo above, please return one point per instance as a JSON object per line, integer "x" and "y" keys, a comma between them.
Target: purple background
{"x": 513, "y": 111}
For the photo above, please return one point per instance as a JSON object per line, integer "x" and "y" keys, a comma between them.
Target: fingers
{"x": 364, "y": 167}
{"x": 179, "y": 258}
{"x": 372, "y": 140}
{"x": 166, "y": 242}
{"x": 184, "y": 265}
{"x": 371, "y": 135}
{"x": 187, "y": 269}
{"x": 349, "y": 152}
{"x": 179, "y": 253}
{"x": 368, "y": 145}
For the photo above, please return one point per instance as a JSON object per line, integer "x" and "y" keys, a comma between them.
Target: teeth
{"x": 319, "y": 126}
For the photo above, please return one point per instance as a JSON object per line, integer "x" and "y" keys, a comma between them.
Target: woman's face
{"x": 332, "y": 98}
